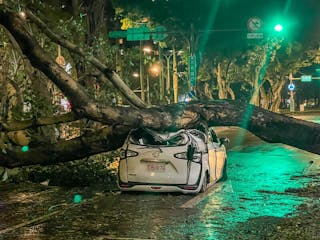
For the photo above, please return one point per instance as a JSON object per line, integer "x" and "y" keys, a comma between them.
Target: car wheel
{"x": 204, "y": 183}
{"x": 224, "y": 172}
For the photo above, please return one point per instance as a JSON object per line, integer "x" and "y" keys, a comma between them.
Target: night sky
{"x": 300, "y": 17}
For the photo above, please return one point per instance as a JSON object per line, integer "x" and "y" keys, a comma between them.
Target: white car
{"x": 186, "y": 161}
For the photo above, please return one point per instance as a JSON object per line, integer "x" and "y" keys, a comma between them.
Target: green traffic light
{"x": 278, "y": 27}
{"x": 77, "y": 198}
{"x": 25, "y": 148}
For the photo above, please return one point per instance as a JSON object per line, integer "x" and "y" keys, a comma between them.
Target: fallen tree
{"x": 117, "y": 121}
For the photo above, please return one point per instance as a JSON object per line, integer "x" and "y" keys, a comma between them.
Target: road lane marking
{"x": 194, "y": 201}
{"x": 120, "y": 238}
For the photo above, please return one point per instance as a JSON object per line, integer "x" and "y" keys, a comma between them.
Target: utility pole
{"x": 141, "y": 74}
{"x": 192, "y": 39}
{"x": 161, "y": 83}
{"x": 148, "y": 90}
{"x": 291, "y": 88}
{"x": 175, "y": 76}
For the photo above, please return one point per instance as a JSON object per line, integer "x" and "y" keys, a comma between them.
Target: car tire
{"x": 224, "y": 172}
{"x": 204, "y": 183}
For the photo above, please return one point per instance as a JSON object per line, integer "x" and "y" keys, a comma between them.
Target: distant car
{"x": 186, "y": 161}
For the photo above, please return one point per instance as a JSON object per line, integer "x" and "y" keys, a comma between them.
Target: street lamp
{"x": 135, "y": 75}
{"x": 147, "y": 49}
{"x": 156, "y": 68}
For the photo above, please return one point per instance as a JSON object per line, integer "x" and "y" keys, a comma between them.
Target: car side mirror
{"x": 224, "y": 141}
{"x": 190, "y": 152}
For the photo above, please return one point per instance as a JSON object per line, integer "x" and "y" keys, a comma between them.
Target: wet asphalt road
{"x": 258, "y": 174}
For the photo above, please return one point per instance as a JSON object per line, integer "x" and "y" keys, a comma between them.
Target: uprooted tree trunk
{"x": 269, "y": 126}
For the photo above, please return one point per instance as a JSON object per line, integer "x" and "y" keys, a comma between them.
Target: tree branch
{"x": 102, "y": 140}
{"x": 38, "y": 122}
{"x": 111, "y": 75}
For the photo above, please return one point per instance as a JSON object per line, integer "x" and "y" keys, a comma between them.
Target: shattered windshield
{"x": 148, "y": 137}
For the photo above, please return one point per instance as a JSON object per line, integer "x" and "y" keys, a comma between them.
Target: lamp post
{"x": 291, "y": 88}
{"x": 175, "y": 76}
{"x": 156, "y": 69}
{"x": 167, "y": 57}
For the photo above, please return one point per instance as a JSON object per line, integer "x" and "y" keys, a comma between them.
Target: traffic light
{"x": 278, "y": 27}
{"x": 25, "y": 148}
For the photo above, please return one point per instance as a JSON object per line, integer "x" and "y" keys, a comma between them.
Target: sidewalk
{"x": 305, "y": 112}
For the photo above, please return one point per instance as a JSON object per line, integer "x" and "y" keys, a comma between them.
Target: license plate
{"x": 156, "y": 167}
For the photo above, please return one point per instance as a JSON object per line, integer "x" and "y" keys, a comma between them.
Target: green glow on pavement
{"x": 255, "y": 175}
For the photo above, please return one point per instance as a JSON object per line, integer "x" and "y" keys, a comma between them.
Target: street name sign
{"x": 159, "y": 33}
{"x": 193, "y": 70}
{"x": 137, "y": 34}
{"x": 118, "y": 34}
{"x": 141, "y": 33}
{"x": 306, "y": 78}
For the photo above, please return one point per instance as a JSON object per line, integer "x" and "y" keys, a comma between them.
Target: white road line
{"x": 120, "y": 238}
{"x": 194, "y": 201}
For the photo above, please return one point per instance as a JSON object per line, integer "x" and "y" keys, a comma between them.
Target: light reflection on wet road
{"x": 255, "y": 171}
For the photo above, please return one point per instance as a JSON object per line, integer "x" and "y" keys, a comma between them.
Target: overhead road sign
{"x": 141, "y": 33}
{"x": 118, "y": 34}
{"x": 137, "y": 34}
{"x": 159, "y": 33}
